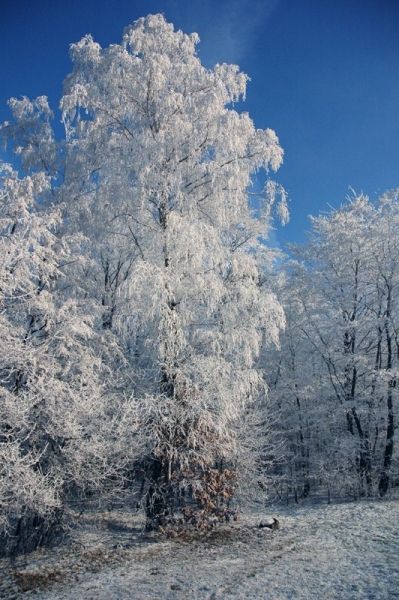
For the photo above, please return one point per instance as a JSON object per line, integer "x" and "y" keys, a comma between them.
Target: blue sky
{"x": 324, "y": 75}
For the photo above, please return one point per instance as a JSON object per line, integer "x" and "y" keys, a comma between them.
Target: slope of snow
{"x": 347, "y": 551}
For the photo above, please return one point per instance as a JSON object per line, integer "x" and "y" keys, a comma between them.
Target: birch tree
{"x": 174, "y": 164}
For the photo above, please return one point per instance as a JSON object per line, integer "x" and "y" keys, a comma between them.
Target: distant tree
{"x": 385, "y": 262}
{"x": 336, "y": 378}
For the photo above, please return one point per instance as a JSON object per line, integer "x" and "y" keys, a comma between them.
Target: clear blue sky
{"x": 325, "y": 76}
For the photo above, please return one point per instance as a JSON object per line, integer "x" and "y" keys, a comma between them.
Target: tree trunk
{"x": 388, "y": 452}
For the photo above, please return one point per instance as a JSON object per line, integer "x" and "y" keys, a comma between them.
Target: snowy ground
{"x": 347, "y": 551}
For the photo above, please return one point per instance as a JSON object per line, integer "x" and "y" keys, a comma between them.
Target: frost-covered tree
{"x": 27, "y": 266}
{"x": 58, "y": 434}
{"x": 135, "y": 291}
{"x": 168, "y": 164}
{"x": 336, "y": 377}
{"x": 385, "y": 263}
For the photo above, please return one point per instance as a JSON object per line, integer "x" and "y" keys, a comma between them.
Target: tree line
{"x": 334, "y": 383}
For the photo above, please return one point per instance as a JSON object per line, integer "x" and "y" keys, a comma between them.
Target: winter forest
{"x": 158, "y": 351}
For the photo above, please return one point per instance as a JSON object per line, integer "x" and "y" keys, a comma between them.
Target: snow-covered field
{"x": 346, "y": 551}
